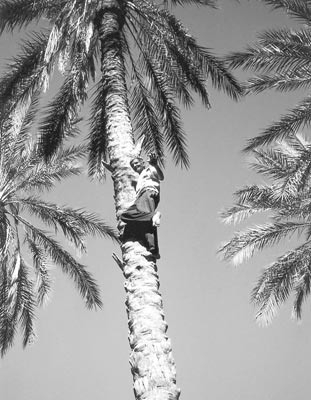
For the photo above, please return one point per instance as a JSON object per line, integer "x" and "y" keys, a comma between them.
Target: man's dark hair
{"x": 136, "y": 158}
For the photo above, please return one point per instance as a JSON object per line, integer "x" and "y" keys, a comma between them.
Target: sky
{"x": 219, "y": 349}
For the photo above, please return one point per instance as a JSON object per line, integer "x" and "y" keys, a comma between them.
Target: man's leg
{"x": 151, "y": 240}
{"x": 133, "y": 231}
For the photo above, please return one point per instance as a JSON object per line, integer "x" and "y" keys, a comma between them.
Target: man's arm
{"x": 134, "y": 182}
{"x": 156, "y": 219}
{"x": 152, "y": 159}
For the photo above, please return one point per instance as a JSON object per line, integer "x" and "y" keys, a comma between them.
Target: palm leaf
{"x": 63, "y": 110}
{"x": 239, "y": 213}
{"x": 273, "y": 163}
{"x": 85, "y": 283}
{"x": 191, "y": 53}
{"x": 274, "y": 288}
{"x": 300, "y": 9}
{"x": 244, "y": 244}
{"x": 289, "y": 124}
{"x": 42, "y": 176}
{"x": 152, "y": 43}
{"x": 302, "y": 290}
{"x": 278, "y": 50}
{"x": 75, "y": 224}
{"x": 210, "y": 3}
{"x": 277, "y": 282}
{"x": 23, "y": 75}
{"x": 28, "y": 305}
{"x": 98, "y": 133}
{"x": 294, "y": 80}
{"x": 7, "y": 328}
{"x": 43, "y": 284}
{"x": 20, "y": 13}
{"x": 172, "y": 126}
{"x": 288, "y": 200}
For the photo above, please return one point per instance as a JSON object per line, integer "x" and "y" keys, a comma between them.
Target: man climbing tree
{"x": 143, "y": 62}
{"x": 141, "y": 217}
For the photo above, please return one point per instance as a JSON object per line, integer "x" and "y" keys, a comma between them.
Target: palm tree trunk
{"x": 151, "y": 360}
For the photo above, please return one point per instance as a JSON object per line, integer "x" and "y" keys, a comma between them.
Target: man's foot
{"x": 155, "y": 253}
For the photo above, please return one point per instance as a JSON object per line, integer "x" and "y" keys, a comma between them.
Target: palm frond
{"x": 275, "y": 286}
{"x": 254, "y": 193}
{"x": 29, "y": 119}
{"x": 18, "y": 303}
{"x": 302, "y": 290}
{"x": 22, "y": 76}
{"x": 28, "y": 305}
{"x": 277, "y": 50}
{"x": 288, "y": 166}
{"x": 288, "y": 200}
{"x": 43, "y": 283}
{"x": 5, "y": 233}
{"x": 145, "y": 120}
{"x": 153, "y": 44}
{"x": 182, "y": 64}
{"x": 289, "y": 124}
{"x": 210, "y": 3}
{"x": 23, "y": 170}
{"x": 84, "y": 281}
{"x": 7, "y": 328}
{"x": 289, "y": 272}
{"x": 300, "y": 9}
{"x": 188, "y": 56}
{"x": 40, "y": 175}
{"x": 220, "y": 76}
{"x": 239, "y": 213}
{"x": 16, "y": 138}
{"x": 97, "y": 138}
{"x": 273, "y": 163}
{"x": 294, "y": 80}
{"x": 298, "y": 208}
{"x": 295, "y": 181}
{"x": 214, "y": 68}
{"x": 249, "y": 201}
{"x": 63, "y": 110}
{"x": 75, "y": 224}
{"x": 45, "y": 179}
{"x": 164, "y": 103}
{"x": 20, "y": 13}
{"x": 244, "y": 244}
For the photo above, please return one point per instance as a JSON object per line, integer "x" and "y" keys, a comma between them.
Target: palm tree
{"x": 26, "y": 250}
{"x": 142, "y": 59}
{"x": 281, "y": 58}
{"x": 287, "y": 199}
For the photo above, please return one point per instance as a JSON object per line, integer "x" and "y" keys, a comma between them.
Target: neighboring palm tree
{"x": 145, "y": 60}
{"x": 26, "y": 250}
{"x": 288, "y": 201}
{"x": 282, "y": 59}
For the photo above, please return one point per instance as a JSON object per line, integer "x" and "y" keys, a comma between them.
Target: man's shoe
{"x": 155, "y": 254}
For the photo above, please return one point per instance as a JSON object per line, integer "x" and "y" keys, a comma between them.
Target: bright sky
{"x": 220, "y": 352}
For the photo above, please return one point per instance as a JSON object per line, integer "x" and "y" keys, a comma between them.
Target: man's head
{"x": 137, "y": 164}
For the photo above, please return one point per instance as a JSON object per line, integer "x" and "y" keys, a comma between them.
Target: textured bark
{"x": 151, "y": 358}
{"x": 120, "y": 137}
